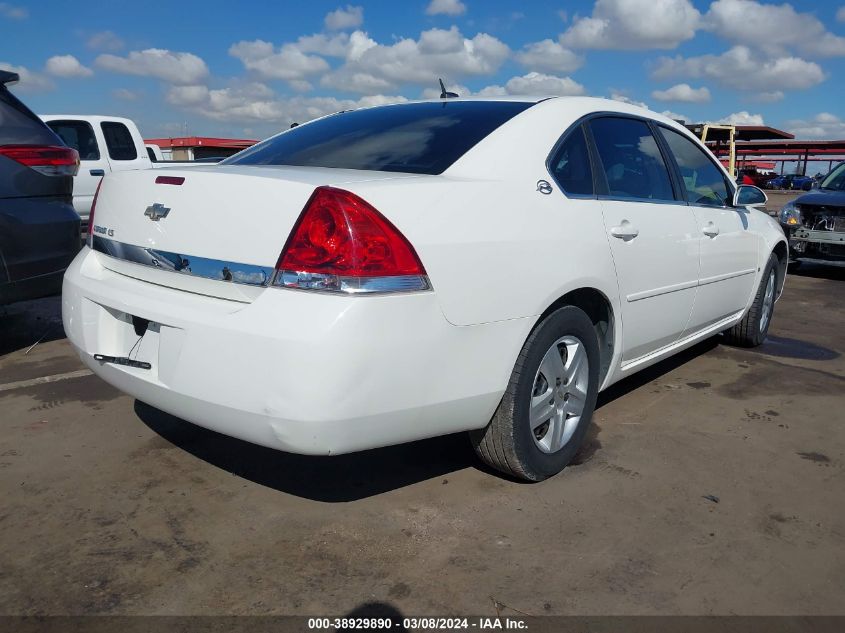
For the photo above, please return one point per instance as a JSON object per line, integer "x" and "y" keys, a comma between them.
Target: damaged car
{"x": 815, "y": 222}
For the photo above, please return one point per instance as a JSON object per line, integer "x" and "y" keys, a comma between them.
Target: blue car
{"x": 790, "y": 181}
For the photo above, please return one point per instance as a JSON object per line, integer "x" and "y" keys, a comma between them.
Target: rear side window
{"x": 119, "y": 141}
{"x": 631, "y": 159}
{"x": 570, "y": 165}
{"x": 79, "y": 135}
{"x": 19, "y": 126}
{"x": 417, "y": 138}
{"x": 704, "y": 183}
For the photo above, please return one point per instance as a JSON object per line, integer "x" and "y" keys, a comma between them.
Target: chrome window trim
{"x": 641, "y": 200}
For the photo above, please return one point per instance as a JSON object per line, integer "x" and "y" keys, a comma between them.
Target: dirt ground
{"x": 711, "y": 484}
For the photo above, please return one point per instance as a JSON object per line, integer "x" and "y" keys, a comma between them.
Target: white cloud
{"x": 445, "y": 7}
{"x": 342, "y": 19}
{"x": 539, "y": 84}
{"x": 683, "y": 93}
{"x": 104, "y": 41}
{"x": 30, "y": 81}
{"x": 124, "y": 94}
{"x": 370, "y": 66}
{"x": 775, "y": 29}
{"x": 172, "y": 67}
{"x": 634, "y": 25}
{"x": 675, "y": 116}
{"x": 840, "y": 15}
{"x": 741, "y": 118}
{"x": 616, "y": 96}
{"x": 549, "y": 56}
{"x": 187, "y": 95}
{"x": 13, "y": 12}
{"x": 256, "y": 102}
{"x": 66, "y": 66}
{"x": 288, "y": 62}
{"x": 334, "y": 45}
{"x": 824, "y": 125}
{"x": 769, "y": 97}
{"x": 741, "y": 69}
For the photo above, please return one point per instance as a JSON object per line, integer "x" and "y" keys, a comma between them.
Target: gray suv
{"x": 39, "y": 229}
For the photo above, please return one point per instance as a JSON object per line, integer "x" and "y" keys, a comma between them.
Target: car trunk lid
{"x": 221, "y": 227}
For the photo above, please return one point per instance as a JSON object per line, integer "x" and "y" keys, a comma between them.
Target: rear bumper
{"x": 298, "y": 371}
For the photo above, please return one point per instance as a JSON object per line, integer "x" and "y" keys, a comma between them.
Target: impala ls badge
{"x": 157, "y": 211}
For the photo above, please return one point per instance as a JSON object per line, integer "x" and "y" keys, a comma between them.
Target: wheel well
{"x": 598, "y": 308}
{"x": 782, "y": 253}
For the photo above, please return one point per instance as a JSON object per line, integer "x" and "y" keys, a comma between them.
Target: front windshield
{"x": 836, "y": 179}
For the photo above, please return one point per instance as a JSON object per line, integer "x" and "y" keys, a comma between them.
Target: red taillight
{"x": 89, "y": 240}
{"x": 169, "y": 180}
{"x": 342, "y": 243}
{"x": 50, "y": 160}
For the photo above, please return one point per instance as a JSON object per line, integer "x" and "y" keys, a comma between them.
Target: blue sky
{"x": 247, "y": 69}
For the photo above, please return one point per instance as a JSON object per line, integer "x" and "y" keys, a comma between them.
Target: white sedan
{"x": 405, "y": 271}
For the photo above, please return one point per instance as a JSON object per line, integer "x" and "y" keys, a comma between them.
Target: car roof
{"x": 95, "y": 118}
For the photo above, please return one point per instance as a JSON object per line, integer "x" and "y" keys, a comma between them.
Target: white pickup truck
{"x": 105, "y": 144}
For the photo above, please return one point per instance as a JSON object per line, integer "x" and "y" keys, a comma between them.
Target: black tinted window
{"x": 631, "y": 159}
{"x": 79, "y": 135}
{"x": 19, "y": 126}
{"x": 571, "y": 165}
{"x": 704, "y": 183}
{"x": 420, "y": 138}
{"x": 119, "y": 141}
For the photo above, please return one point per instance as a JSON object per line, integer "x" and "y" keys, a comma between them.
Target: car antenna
{"x": 444, "y": 94}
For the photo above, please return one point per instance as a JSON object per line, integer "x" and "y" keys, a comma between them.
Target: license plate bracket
{"x": 122, "y": 360}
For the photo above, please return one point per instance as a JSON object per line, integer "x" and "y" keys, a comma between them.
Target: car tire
{"x": 549, "y": 380}
{"x": 751, "y": 331}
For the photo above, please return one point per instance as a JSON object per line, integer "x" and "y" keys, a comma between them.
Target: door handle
{"x": 710, "y": 229}
{"x": 625, "y": 231}
{"x": 97, "y": 172}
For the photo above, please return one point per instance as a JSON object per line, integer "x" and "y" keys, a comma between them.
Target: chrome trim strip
{"x": 686, "y": 285}
{"x": 665, "y": 290}
{"x": 216, "y": 269}
{"x": 725, "y": 276}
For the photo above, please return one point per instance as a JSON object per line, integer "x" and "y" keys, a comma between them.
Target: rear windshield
{"x": 417, "y": 138}
{"x": 19, "y": 126}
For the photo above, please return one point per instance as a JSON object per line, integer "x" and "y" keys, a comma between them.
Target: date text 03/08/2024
{"x": 418, "y": 624}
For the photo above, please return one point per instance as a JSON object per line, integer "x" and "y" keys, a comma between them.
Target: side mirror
{"x": 816, "y": 184}
{"x": 750, "y": 196}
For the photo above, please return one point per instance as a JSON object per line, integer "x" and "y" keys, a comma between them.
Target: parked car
{"x": 105, "y": 144}
{"x": 399, "y": 272}
{"x": 752, "y": 177}
{"x": 815, "y": 222}
{"x": 790, "y": 181}
{"x": 39, "y": 230}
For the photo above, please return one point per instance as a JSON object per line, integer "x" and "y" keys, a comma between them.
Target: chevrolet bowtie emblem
{"x": 157, "y": 211}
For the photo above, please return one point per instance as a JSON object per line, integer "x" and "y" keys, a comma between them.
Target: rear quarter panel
{"x": 499, "y": 250}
